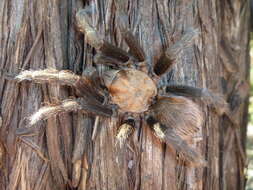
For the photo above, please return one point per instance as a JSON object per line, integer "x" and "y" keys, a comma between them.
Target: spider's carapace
{"x": 132, "y": 90}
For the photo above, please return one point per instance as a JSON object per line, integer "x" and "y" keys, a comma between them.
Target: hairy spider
{"x": 129, "y": 88}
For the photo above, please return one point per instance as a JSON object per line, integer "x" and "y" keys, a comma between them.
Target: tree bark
{"x": 37, "y": 34}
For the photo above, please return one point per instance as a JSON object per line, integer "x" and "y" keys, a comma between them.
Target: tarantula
{"x": 129, "y": 88}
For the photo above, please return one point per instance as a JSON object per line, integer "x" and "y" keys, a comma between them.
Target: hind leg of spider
{"x": 215, "y": 100}
{"x": 136, "y": 53}
{"x": 96, "y": 41}
{"x": 133, "y": 44}
{"x": 168, "y": 58}
{"x": 131, "y": 41}
{"x": 169, "y": 136}
{"x": 100, "y": 58}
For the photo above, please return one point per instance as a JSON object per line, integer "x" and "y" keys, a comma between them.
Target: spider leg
{"x": 64, "y": 77}
{"x": 96, "y": 41}
{"x": 110, "y": 61}
{"x": 83, "y": 85}
{"x": 70, "y": 105}
{"x": 168, "y": 58}
{"x": 131, "y": 41}
{"x": 215, "y": 100}
{"x": 133, "y": 44}
{"x": 169, "y": 136}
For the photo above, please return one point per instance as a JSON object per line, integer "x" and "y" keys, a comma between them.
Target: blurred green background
{"x": 250, "y": 125}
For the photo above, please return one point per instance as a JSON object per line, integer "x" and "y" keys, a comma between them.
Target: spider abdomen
{"x": 179, "y": 113}
{"x": 131, "y": 90}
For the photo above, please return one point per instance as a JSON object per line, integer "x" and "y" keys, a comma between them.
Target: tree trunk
{"x": 37, "y": 34}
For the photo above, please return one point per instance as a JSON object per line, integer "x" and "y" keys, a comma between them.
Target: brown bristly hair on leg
{"x": 168, "y": 58}
{"x": 215, "y": 100}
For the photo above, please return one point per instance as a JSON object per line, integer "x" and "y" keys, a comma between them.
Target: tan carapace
{"x": 130, "y": 89}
